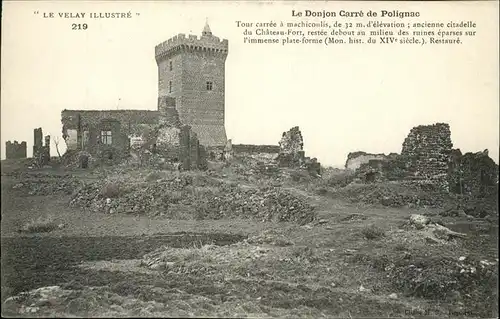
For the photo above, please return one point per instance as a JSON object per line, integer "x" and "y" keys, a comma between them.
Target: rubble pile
{"x": 208, "y": 200}
{"x": 436, "y": 270}
{"x": 77, "y": 159}
{"x": 250, "y": 167}
{"x": 65, "y": 302}
{"x": 445, "y": 277}
{"x": 132, "y": 196}
{"x": 42, "y": 185}
{"x": 40, "y": 300}
{"x": 469, "y": 206}
{"x": 427, "y": 149}
{"x": 391, "y": 194}
{"x": 266, "y": 204}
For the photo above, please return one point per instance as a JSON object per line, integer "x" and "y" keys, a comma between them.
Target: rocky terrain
{"x": 242, "y": 239}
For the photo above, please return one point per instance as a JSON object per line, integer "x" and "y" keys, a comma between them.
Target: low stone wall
{"x": 356, "y": 159}
{"x": 249, "y": 148}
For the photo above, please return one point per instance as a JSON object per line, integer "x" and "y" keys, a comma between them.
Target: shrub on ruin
{"x": 110, "y": 190}
{"x": 373, "y": 232}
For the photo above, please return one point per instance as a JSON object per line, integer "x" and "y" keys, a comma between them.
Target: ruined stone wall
{"x": 256, "y": 149}
{"x": 82, "y": 130}
{"x": 191, "y": 153}
{"x": 426, "y": 151}
{"x": 41, "y": 151}
{"x": 37, "y": 141}
{"x": 292, "y": 155}
{"x": 387, "y": 168}
{"x": 264, "y": 153}
{"x": 136, "y": 133}
{"x": 371, "y": 171}
{"x": 474, "y": 174}
{"x": 15, "y": 150}
{"x": 291, "y": 148}
{"x": 167, "y": 111}
{"x": 355, "y": 159}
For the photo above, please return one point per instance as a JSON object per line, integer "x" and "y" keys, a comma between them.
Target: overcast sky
{"x": 343, "y": 98}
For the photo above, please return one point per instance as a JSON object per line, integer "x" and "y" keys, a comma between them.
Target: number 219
{"x": 78, "y": 26}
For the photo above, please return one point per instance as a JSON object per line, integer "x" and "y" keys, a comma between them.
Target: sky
{"x": 343, "y": 98}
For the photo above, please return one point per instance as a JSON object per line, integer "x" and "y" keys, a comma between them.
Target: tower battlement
{"x": 179, "y": 42}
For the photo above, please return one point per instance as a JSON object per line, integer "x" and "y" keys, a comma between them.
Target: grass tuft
{"x": 110, "y": 190}
{"x": 372, "y": 232}
{"x": 40, "y": 225}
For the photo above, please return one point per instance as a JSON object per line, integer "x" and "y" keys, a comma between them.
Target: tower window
{"x": 210, "y": 86}
{"x": 170, "y": 65}
{"x": 169, "y": 86}
{"x": 106, "y": 137}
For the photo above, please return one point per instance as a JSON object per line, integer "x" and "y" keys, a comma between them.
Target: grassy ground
{"x": 353, "y": 260}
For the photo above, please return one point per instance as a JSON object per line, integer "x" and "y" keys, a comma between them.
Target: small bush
{"x": 321, "y": 191}
{"x": 401, "y": 247}
{"x": 154, "y": 176}
{"x": 377, "y": 262}
{"x": 341, "y": 179}
{"x": 110, "y": 190}
{"x": 304, "y": 253}
{"x": 299, "y": 176}
{"x": 380, "y": 262}
{"x": 373, "y": 232}
{"x": 39, "y": 225}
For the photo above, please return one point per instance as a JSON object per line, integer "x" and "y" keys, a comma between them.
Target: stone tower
{"x": 192, "y": 71}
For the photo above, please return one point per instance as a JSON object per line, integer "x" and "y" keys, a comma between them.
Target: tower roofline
{"x": 193, "y": 42}
{"x": 206, "y": 29}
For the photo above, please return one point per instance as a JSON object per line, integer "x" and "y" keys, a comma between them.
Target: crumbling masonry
{"x": 41, "y": 152}
{"x": 473, "y": 174}
{"x": 291, "y": 148}
{"x": 427, "y": 158}
{"x": 427, "y": 151}
{"x": 292, "y": 154}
